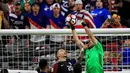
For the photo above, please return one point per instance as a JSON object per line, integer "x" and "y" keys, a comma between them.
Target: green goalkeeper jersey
{"x": 94, "y": 59}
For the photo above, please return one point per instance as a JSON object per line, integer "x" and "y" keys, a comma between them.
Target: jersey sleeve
{"x": 99, "y": 47}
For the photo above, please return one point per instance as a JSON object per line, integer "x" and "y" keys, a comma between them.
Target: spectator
{"x": 57, "y": 21}
{"x": 4, "y": 71}
{"x": 4, "y": 8}
{"x": 123, "y": 6}
{"x": 67, "y": 7}
{"x": 113, "y": 23}
{"x": 100, "y": 14}
{"x": 62, "y": 65}
{"x": 107, "y": 61}
{"x": 3, "y": 21}
{"x": 90, "y": 4}
{"x": 38, "y": 20}
{"x": 124, "y": 53}
{"x": 112, "y": 8}
{"x": 46, "y": 8}
{"x": 27, "y": 9}
{"x": 11, "y": 6}
{"x": 43, "y": 65}
{"x": 26, "y": 1}
{"x": 82, "y": 13}
{"x": 17, "y": 19}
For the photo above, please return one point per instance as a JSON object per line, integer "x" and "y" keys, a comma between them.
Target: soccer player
{"x": 93, "y": 51}
{"x": 62, "y": 65}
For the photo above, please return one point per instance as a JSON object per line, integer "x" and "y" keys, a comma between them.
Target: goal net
{"x": 21, "y": 50}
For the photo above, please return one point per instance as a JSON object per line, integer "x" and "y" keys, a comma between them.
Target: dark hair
{"x": 4, "y": 71}
{"x": 42, "y": 64}
{"x": 77, "y": 68}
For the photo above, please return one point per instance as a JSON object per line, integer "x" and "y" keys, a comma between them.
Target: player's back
{"x": 94, "y": 59}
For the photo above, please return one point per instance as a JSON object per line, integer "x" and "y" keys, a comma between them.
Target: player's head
{"x": 99, "y": 4}
{"x": 27, "y": 7}
{"x": 61, "y": 53}
{"x": 77, "y": 68}
{"x": 35, "y": 7}
{"x": 71, "y": 3}
{"x": 43, "y": 65}
{"x": 17, "y": 7}
{"x": 78, "y": 5}
{"x": 56, "y": 8}
{"x": 4, "y": 71}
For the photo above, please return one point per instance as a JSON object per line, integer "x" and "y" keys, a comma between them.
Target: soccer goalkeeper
{"x": 93, "y": 51}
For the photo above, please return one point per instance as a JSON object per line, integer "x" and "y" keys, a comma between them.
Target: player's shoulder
{"x": 13, "y": 15}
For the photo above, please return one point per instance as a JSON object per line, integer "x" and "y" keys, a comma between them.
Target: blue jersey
{"x": 57, "y": 23}
{"x": 126, "y": 56}
{"x": 38, "y": 22}
{"x": 47, "y": 10}
{"x": 100, "y": 15}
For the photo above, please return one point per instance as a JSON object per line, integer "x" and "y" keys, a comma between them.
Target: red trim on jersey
{"x": 53, "y": 24}
{"x": 34, "y": 23}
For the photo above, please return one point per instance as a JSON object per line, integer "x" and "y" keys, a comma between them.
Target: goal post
{"x": 20, "y": 57}
{"x": 62, "y": 31}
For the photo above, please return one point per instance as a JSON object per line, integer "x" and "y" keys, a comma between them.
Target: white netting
{"x": 16, "y": 55}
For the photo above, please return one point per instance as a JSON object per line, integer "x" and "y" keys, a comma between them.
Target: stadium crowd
{"x": 51, "y": 14}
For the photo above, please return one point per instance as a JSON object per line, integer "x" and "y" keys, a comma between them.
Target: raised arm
{"x": 79, "y": 43}
{"x": 90, "y": 34}
{"x": 76, "y": 39}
